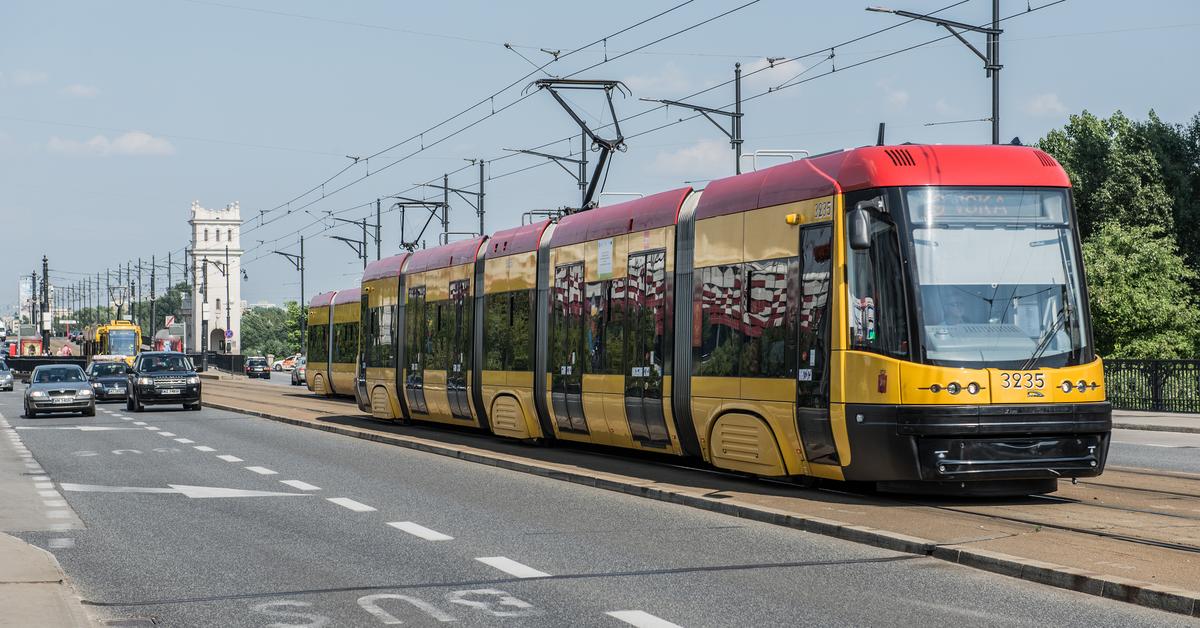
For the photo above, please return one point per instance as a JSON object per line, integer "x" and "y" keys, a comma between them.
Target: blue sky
{"x": 115, "y": 115}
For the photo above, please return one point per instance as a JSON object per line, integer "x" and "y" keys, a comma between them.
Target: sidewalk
{"x": 33, "y": 589}
{"x": 1156, "y": 421}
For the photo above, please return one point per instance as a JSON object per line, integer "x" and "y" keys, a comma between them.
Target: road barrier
{"x": 232, "y": 362}
{"x": 1153, "y": 385}
{"x": 25, "y": 364}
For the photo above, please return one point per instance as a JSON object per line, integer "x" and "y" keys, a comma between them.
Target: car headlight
{"x": 83, "y": 392}
{"x": 97, "y": 385}
{"x": 39, "y": 394}
{"x": 193, "y": 380}
{"x": 144, "y": 381}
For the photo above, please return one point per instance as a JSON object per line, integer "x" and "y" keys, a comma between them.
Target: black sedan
{"x": 108, "y": 379}
{"x": 59, "y": 388}
{"x": 162, "y": 377}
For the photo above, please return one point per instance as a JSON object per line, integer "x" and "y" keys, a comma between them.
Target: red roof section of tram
{"x": 386, "y": 267}
{"x": 349, "y": 295}
{"x": 321, "y": 300}
{"x": 521, "y": 239}
{"x": 452, "y": 254}
{"x": 881, "y": 166}
{"x": 650, "y": 212}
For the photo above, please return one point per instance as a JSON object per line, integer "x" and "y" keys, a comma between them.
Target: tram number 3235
{"x": 1022, "y": 380}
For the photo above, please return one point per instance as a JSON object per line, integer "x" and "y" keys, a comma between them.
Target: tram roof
{"x": 386, "y": 267}
{"x": 452, "y": 254}
{"x": 321, "y": 300}
{"x": 649, "y": 212}
{"x": 881, "y": 166}
{"x": 521, "y": 239}
{"x": 349, "y": 295}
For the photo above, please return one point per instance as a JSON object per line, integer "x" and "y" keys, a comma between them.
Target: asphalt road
{"x": 344, "y": 532}
{"x": 1168, "y": 451}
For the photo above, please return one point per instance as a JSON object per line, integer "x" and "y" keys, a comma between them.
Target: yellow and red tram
{"x": 912, "y": 316}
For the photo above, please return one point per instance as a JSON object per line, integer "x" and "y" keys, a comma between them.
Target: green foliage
{"x": 1115, "y": 175}
{"x": 1142, "y": 305}
{"x": 271, "y": 330}
{"x": 294, "y": 319}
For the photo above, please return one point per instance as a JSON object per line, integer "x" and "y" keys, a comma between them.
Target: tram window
{"x": 345, "y": 342}
{"x": 377, "y": 336}
{"x": 566, "y": 337}
{"x": 520, "y": 331}
{"x": 595, "y": 296}
{"x": 318, "y": 349}
{"x": 812, "y": 309}
{"x": 414, "y": 320}
{"x": 496, "y": 324}
{"x": 441, "y": 319}
{"x": 770, "y": 318}
{"x": 614, "y": 342}
{"x": 878, "y": 313}
{"x": 717, "y": 331}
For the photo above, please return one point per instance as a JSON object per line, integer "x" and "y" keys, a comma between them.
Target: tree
{"x": 1142, "y": 305}
{"x": 1176, "y": 148}
{"x": 294, "y": 319}
{"x": 263, "y": 331}
{"x": 1114, "y": 174}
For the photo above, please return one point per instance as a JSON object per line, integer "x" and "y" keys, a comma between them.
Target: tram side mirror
{"x": 859, "y": 223}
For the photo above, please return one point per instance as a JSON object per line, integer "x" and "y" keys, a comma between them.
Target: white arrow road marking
{"x": 81, "y": 428}
{"x": 195, "y": 492}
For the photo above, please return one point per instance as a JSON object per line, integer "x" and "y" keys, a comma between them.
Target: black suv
{"x": 159, "y": 377}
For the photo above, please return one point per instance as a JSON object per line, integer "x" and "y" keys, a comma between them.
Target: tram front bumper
{"x": 977, "y": 443}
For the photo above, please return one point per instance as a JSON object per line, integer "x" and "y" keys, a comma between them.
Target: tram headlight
{"x": 1067, "y": 386}
{"x": 953, "y": 388}
{"x": 1082, "y": 385}
{"x": 973, "y": 388}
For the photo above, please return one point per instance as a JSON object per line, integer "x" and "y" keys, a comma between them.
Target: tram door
{"x": 459, "y": 338}
{"x": 812, "y": 386}
{"x": 419, "y": 348}
{"x": 566, "y": 348}
{"x": 645, "y": 333}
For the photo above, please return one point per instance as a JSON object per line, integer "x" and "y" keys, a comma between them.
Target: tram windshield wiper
{"x": 1044, "y": 342}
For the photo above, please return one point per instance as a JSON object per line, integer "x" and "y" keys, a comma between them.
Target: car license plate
{"x": 171, "y": 391}
{"x": 116, "y": 389}
{"x": 63, "y": 399}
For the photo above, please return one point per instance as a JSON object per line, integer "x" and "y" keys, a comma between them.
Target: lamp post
{"x": 991, "y": 60}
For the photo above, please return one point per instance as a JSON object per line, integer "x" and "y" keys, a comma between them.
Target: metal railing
{"x": 231, "y": 362}
{"x": 1153, "y": 385}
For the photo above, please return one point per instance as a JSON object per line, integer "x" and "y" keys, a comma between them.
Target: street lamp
{"x": 991, "y": 60}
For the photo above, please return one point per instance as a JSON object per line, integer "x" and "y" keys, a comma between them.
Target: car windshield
{"x": 108, "y": 368}
{"x": 159, "y": 363}
{"x": 998, "y": 276}
{"x": 58, "y": 374}
{"x": 256, "y": 362}
{"x": 122, "y": 342}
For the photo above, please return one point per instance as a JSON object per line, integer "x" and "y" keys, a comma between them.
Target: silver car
{"x": 59, "y": 388}
{"x": 6, "y": 377}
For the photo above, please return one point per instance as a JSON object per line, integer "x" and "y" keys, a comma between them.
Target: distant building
{"x": 216, "y": 289}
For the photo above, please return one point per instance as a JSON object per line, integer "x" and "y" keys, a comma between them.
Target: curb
{"x": 1157, "y": 428}
{"x": 1136, "y": 592}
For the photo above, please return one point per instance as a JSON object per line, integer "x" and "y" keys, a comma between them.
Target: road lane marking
{"x": 167, "y": 434}
{"x": 43, "y": 484}
{"x": 58, "y": 514}
{"x": 304, "y": 486}
{"x": 420, "y": 531}
{"x": 641, "y": 619}
{"x": 48, "y": 493}
{"x": 81, "y": 428}
{"x": 62, "y": 543}
{"x": 152, "y": 428}
{"x": 185, "y": 441}
{"x": 139, "y": 422}
{"x": 346, "y": 502}
{"x": 228, "y": 458}
{"x": 261, "y": 470}
{"x": 54, "y": 503}
{"x": 512, "y": 567}
{"x": 203, "y": 448}
{"x": 194, "y": 492}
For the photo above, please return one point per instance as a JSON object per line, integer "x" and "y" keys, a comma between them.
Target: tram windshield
{"x": 999, "y": 280}
{"x": 122, "y": 342}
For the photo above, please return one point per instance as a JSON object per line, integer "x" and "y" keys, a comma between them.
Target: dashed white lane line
{"x": 420, "y": 531}
{"x": 139, "y": 422}
{"x": 641, "y": 619}
{"x": 512, "y": 567}
{"x": 167, "y": 434}
{"x": 203, "y": 448}
{"x": 185, "y": 441}
{"x": 346, "y": 502}
{"x": 47, "y": 493}
{"x": 152, "y": 428}
{"x": 262, "y": 470}
{"x": 304, "y": 486}
{"x": 229, "y": 458}
{"x": 124, "y": 418}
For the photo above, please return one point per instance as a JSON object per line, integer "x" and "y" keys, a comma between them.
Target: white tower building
{"x": 216, "y": 287}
